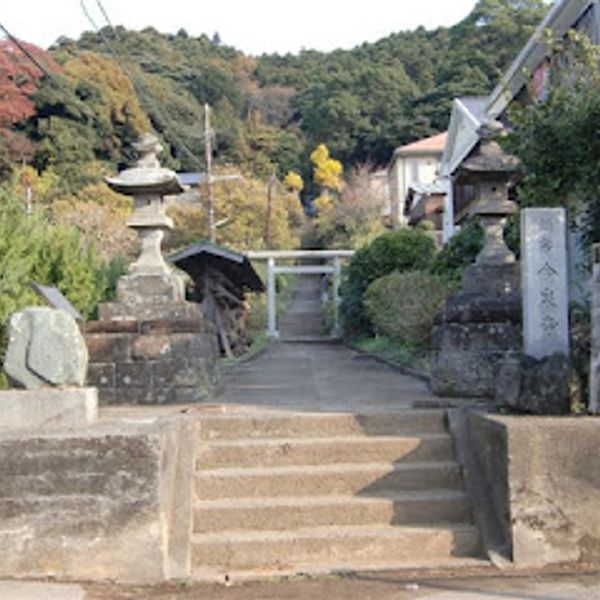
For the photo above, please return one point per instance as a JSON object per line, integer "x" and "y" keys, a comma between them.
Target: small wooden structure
{"x": 221, "y": 279}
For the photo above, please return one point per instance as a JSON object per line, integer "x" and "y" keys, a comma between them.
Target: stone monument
{"x": 46, "y": 356}
{"x": 481, "y": 324}
{"x": 151, "y": 346}
{"x": 544, "y": 268}
{"x": 541, "y": 379}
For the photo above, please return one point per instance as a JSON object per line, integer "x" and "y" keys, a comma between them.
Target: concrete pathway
{"x": 321, "y": 377}
{"x": 372, "y": 586}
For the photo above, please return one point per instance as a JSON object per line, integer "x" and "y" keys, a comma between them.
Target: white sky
{"x": 254, "y": 26}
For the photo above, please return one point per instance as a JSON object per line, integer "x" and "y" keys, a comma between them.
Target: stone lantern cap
{"x": 490, "y": 159}
{"x": 147, "y": 177}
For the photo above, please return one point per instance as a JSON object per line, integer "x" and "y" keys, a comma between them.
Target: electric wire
{"x": 26, "y": 52}
{"x": 138, "y": 84}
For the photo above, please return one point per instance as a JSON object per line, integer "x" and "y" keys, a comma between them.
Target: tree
{"x": 293, "y": 181}
{"x": 31, "y": 248}
{"x": 327, "y": 171}
{"x": 355, "y": 217}
{"x": 557, "y": 139}
{"x": 19, "y": 79}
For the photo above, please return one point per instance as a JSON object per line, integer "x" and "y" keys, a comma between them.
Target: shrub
{"x": 402, "y": 306}
{"x": 402, "y": 250}
{"x": 458, "y": 253}
{"x": 31, "y": 249}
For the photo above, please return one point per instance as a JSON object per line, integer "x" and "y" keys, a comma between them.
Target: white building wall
{"x": 410, "y": 170}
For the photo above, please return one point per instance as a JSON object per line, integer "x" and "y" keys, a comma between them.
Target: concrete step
{"x": 370, "y": 478}
{"x": 315, "y": 451}
{"x": 291, "y": 513}
{"x": 318, "y": 550}
{"x": 307, "y": 425}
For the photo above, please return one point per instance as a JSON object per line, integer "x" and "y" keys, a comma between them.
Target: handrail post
{"x": 271, "y": 300}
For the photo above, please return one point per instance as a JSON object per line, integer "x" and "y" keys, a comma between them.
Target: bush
{"x": 402, "y": 250}
{"x": 402, "y": 306}
{"x": 458, "y": 253}
{"x": 31, "y": 249}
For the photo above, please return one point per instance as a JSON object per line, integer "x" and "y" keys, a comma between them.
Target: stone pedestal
{"x": 146, "y": 360}
{"x": 476, "y": 330}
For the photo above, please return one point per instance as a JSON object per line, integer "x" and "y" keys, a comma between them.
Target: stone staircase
{"x": 288, "y": 493}
{"x": 303, "y": 319}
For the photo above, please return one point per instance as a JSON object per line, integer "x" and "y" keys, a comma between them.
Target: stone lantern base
{"x": 477, "y": 328}
{"x": 151, "y": 346}
{"x": 143, "y": 359}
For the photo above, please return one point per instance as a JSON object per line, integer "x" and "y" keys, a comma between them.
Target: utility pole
{"x": 208, "y": 135}
{"x": 270, "y": 186}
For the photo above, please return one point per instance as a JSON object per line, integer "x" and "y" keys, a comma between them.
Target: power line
{"x": 51, "y": 76}
{"x": 141, "y": 88}
{"x": 26, "y": 52}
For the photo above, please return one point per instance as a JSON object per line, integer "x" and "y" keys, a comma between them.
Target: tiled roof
{"x": 434, "y": 143}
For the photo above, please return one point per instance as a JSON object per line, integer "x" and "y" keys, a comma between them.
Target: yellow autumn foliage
{"x": 327, "y": 171}
{"x": 293, "y": 181}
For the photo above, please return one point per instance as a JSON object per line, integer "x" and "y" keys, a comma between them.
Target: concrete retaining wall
{"x": 108, "y": 502}
{"x": 543, "y": 474}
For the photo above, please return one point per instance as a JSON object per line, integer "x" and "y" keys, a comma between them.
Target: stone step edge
{"x": 317, "y": 426}
{"x": 329, "y": 533}
{"x": 376, "y": 439}
{"x": 295, "y": 414}
{"x": 419, "y": 568}
{"x": 333, "y": 468}
{"x": 299, "y": 502}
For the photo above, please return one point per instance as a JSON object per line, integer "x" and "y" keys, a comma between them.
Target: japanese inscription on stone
{"x": 544, "y": 270}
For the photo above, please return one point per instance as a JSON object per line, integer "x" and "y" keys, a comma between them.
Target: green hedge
{"x": 402, "y": 250}
{"x": 402, "y": 306}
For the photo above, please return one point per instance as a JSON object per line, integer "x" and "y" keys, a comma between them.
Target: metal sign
{"x": 55, "y": 299}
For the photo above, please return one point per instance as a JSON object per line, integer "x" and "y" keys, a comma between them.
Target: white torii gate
{"x": 273, "y": 269}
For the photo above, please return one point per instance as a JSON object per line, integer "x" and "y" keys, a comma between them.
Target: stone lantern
{"x": 491, "y": 171}
{"x": 481, "y": 324}
{"x": 151, "y": 346}
{"x": 150, "y": 280}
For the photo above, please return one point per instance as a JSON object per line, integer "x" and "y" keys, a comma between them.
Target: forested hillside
{"x": 270, "y": 111}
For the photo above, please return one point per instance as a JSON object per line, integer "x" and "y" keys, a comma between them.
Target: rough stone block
{"x": 134, "y": 375}
{"x": 473, "y": 337}
{"x": 122, "y": 326}
{"x": 166, "y": 327}
{"x": 491, "y": 280}
{"x": 538, "y": 387}
{"x": 149, "y": 312}
{"x": 150, "y": 289}
{"x": 465, "y": 373}
{"x": 45, "y": 349}
{"x": 151, "y": 347}
{"x": 48, "y": 409}
{"x": 109, "y": 347}
{"x": 102, "y": 375}
{"x": 475, "y": 308}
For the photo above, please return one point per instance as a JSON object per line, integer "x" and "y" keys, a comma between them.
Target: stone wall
{"x": 544, "y": 474}
{"x": 152, "y": 361}
{"x": 107, "y": 502}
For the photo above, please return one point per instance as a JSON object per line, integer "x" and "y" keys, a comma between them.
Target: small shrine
{"x": 221, "y": 278}
{"x": 151, "y": 345}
